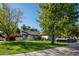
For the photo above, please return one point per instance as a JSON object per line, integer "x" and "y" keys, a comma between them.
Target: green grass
{"x": 14, "y": 47}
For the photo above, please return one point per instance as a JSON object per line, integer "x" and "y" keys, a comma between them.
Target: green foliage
{"x": 17, "y": 30}
{"x": 24, "y": 27}
{"x": 75, "y": 31}
{"x": 9, "y": 19}
{"x": 58, "y": 19}
{"x": 33, "y": 29}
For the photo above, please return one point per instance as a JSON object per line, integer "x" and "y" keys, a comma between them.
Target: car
{"x": 71, "y": 40}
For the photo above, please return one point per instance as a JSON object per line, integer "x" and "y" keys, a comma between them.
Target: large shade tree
{"x": 9, "y": 19}
{"x": 58, "y": 19}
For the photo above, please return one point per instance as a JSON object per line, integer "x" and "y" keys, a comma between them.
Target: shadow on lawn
{"x": 30, "y": 46}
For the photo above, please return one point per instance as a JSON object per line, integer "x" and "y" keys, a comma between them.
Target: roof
{"x": 32, "y": 32}
{"x": 15, "y": 35}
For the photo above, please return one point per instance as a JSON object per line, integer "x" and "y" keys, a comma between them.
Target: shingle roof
{"x": 32, "y": 32}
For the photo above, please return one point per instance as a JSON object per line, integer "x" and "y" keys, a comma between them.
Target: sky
{"x": 30, "y": 14}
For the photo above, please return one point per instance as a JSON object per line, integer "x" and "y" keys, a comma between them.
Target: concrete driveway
{"x": 60, "y": 51}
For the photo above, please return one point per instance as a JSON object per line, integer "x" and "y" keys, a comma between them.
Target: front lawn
{"x": 14, "y": 47}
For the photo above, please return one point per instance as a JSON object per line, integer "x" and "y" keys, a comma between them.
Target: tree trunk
{"x": 8, "y": 38}
{"x": 52, "y": 38}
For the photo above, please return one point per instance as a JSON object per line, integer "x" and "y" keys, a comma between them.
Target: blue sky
{"x": 30, "y": 13}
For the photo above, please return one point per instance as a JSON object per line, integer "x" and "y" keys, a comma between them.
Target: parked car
{"x": 71, "y": 40}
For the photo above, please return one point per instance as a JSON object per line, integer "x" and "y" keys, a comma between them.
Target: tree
{"x": 58, "y": 19}
{"x": 75, "y": 31}
{"x": 9, "y": 19}
{"x": 25, "y": 28}
{"x": 33, "y": 29}
{"x": 18, "y": 30}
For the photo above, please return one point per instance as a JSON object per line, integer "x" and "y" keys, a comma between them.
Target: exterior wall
{"x": 19, "y": 38}
{"x": 2, "y": 39}
{"x": 33, "y": 37}
{"x": 45, "y": 37}
{"x": 30, "y": 37}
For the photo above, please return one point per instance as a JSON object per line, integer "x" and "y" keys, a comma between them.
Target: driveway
{"x": 60, "y": 51}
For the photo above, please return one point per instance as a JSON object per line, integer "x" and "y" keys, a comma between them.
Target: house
{"x": 24, "y": 35}
{"x": 32, "y": 35}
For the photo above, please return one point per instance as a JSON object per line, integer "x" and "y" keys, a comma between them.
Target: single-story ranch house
{"x": 23, "y": 35}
